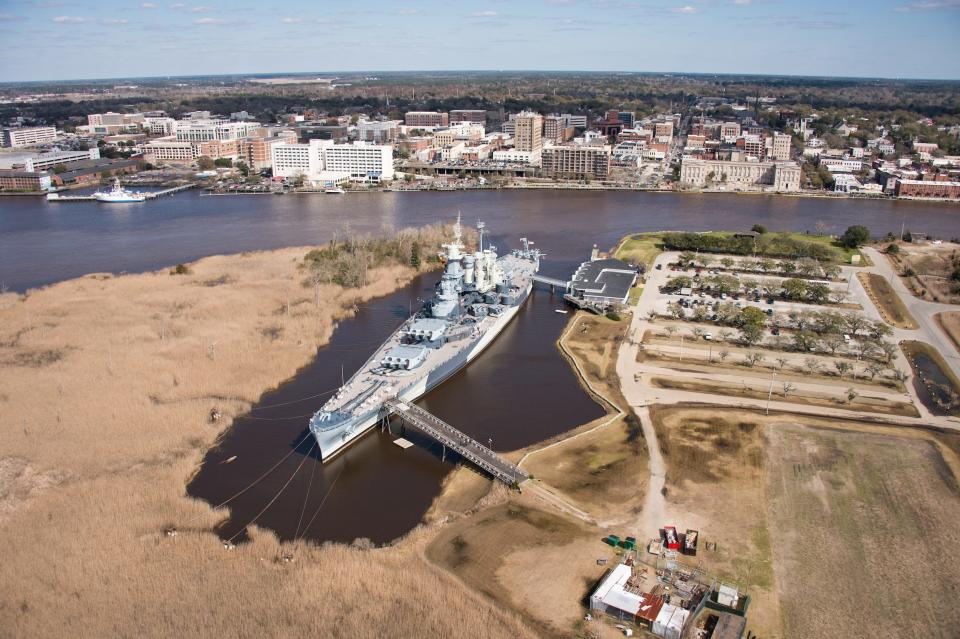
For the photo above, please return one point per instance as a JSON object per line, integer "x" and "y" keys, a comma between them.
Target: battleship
{"x": 477, "y": 296}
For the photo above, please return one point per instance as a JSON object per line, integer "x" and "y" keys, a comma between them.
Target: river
{"x": 518, "y": 392}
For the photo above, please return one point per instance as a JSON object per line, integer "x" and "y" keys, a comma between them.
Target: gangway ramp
{"x": 467, "y": 447}
{"x": 550, "y": 281}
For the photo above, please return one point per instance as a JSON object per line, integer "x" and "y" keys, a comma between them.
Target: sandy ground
{"x": 107, "y": 386}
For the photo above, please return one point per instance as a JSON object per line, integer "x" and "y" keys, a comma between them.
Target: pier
{"x": 89, "y": 198}
{"x": 468, "y": 448}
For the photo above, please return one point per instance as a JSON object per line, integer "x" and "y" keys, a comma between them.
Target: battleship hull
{"x": 334, "y": 441}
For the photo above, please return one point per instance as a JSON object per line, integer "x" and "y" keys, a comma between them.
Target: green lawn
{"x": 820, "y": 239}
{"x": 640, "y": 248}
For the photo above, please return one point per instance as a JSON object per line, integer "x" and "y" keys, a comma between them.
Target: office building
{"x": 928, "y": 188}
{"x": 111, "y": 123}
{"x": 528, "y": 135}
{"x": 206, "y": 130}
{"x": 321, "y": 159}
{"x": 729, "y": 132}
{"x": 663, "y": 129}
{"x": 576, "y": 161}
{"x": 16, "y": 180}
{"x": 556, "y": 129}
{"x": 336, "y": 132}
{"x": 780, "y": 147}
{"x": 426, "y": 119}
{"x": 28, "y": 136}
{"x": 478, "y": 116}
{"x": 378, "y": 132}
{"x": 627, "y": 118}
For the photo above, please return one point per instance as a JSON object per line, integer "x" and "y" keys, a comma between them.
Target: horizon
{"x": 714, "y": 37}
{"x": 337, "y": 74}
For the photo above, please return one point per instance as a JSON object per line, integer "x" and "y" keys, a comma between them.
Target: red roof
{"x": 650, "y": 606}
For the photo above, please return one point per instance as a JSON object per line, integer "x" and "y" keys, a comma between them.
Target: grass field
{"x": 867, "y": 533}
{"x": 640, "y": 248}
{"x": 93, "y": 467}
{"x": 817, "y": 514}
{"x": 887, "y": 301}
{"x": 843, "y": 253}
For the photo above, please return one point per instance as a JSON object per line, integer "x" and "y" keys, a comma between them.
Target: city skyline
{"x": 47, "y": 41}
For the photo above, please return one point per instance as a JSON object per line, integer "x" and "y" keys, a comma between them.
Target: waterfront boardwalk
{"x": 451, "y": 438}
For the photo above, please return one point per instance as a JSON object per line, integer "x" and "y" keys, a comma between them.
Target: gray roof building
{"x": 606, "y": 281}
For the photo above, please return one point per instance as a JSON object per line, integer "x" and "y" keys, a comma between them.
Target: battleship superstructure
{"x": 476, "y": 297}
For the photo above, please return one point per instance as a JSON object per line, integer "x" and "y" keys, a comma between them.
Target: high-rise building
{"x": 576, "y": 161}
{"x": 321, "y": 160}
{"x": 627, "y": 117}
{"x": 780, "y": 147}
{"x": 28, "y": 136}
{"x": 555, "y": 128}
{"x": 529, "y": 132}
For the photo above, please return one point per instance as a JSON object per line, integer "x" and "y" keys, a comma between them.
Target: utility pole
{"x": 681, "y": 348}
{"x": 773, "y": 376}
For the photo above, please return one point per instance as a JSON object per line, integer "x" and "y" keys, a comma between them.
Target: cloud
{"x": 68, "y": 19}
{"x": 113, "y": 21}
{"x": 407, "y": 12}
{"x": 8, "y": 17}
{"x": 214, "y": 21}
{"x": 686, "y": 10}
{"x": 931, "y": 5}
{"x": 484, "y": 14}
{"x": 743, "y": 2}
{"x": 560, "y": 3}
{"x": 201, "y": 9}
{"x": 148, "y": 5}
{"x": 796, "y": 22}
{"x": 177, "y": 5}
{"x": 291, "y": 20}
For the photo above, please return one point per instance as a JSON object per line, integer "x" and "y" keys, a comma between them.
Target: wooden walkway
{"x": 468, "y": 448}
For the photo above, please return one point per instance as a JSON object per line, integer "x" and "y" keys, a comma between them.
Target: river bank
{"x": 109, "y": 384}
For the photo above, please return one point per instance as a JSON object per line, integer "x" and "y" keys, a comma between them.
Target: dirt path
{"x": 654, "y": 512}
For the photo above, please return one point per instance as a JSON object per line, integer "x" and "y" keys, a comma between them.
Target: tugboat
{"x": 119, "y": 194}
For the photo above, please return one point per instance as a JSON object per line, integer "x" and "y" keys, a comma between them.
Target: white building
{"x": 378, "y": 132}
{"x": 28, "y": 136}
{"x": 359, "y": 161}
{"x": 784, "y": 176}
{"x": 222, "y": 130}
{"x": 160, "y": 126}
{"x": 364, "y": 162}
{"x": 842, "y": 165}
{"x": 39, "y": 162}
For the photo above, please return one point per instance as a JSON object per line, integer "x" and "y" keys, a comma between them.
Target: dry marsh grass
{"x": 100, "y": 440}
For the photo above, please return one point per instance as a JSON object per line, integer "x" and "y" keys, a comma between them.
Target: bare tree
{"x": 788, "y": 388}
{"x": 842, "y": 367}
{"x": 851, "y": 395}
{"x": 781, "y": 362}
{"x": 812, "y": 365}
{"x": 723, "y": 355}
{"x": 752, "y": 359}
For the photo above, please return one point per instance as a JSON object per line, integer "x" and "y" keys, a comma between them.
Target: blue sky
{"x": 67, "y": 39}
